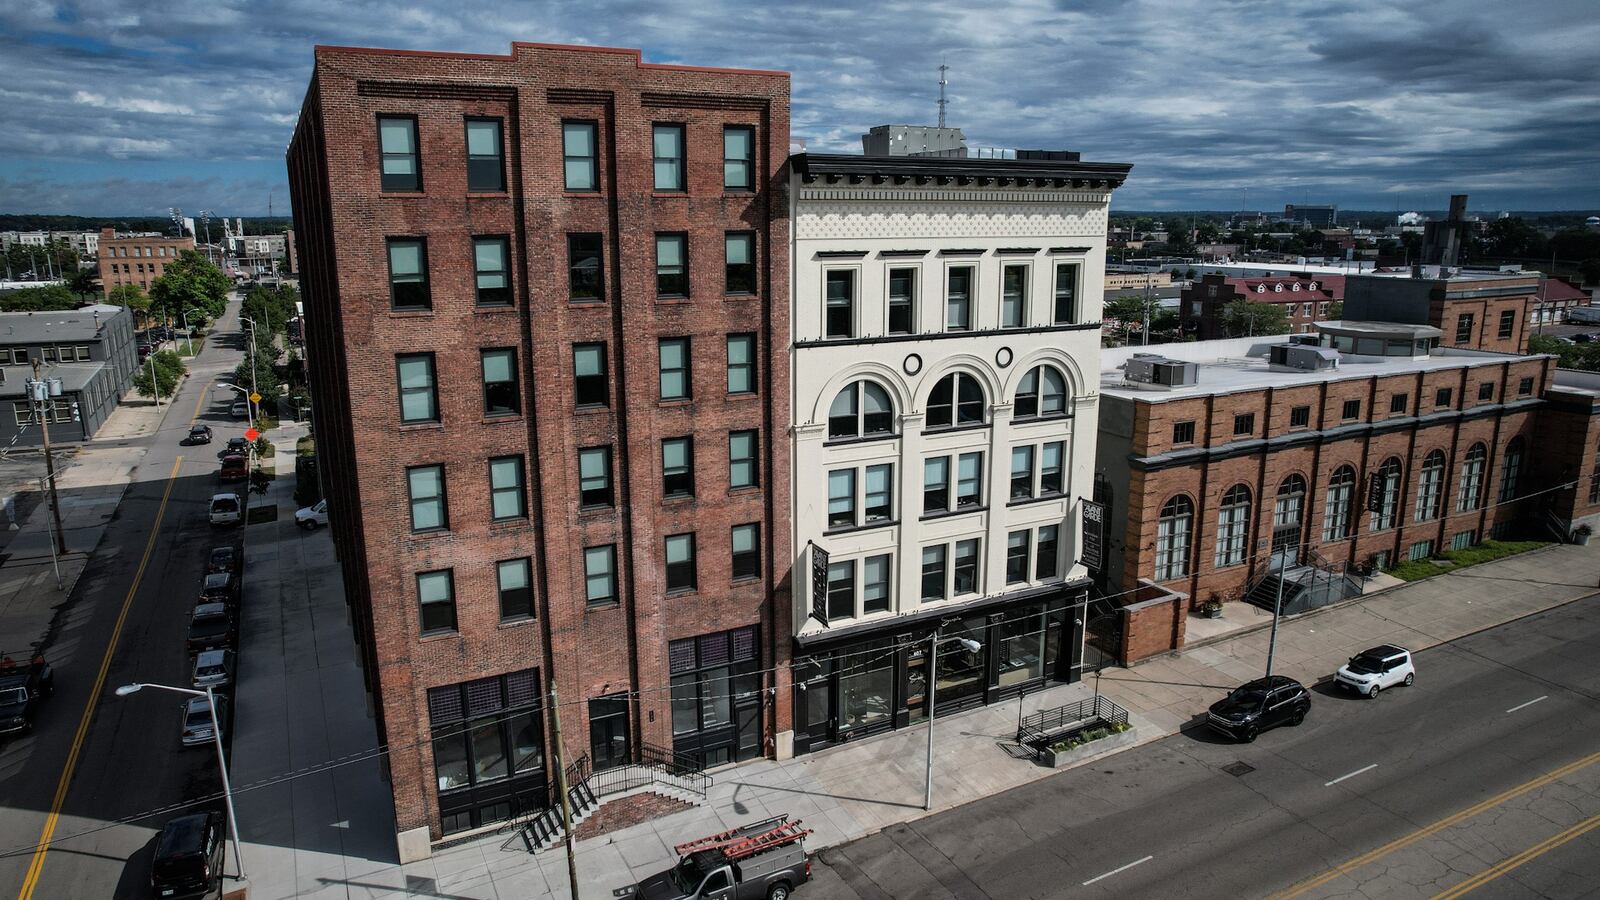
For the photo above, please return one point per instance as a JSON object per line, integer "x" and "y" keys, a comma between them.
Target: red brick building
{"x": 1305, "y": 299}
{"x": 137, "y": 259}
{"x": 1480, "y": 310}
{"x": 545, "y": 300}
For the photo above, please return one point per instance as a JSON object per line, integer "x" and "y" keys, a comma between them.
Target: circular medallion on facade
{"x": 913, "y": 364}
{"x": 1002, "y": 357}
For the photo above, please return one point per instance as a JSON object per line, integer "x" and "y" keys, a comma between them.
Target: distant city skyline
{"x": 118, "y": 111}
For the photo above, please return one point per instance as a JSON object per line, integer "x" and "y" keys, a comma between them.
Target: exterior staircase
{"x": 1316, "y": 581}
{"x": 655, "y": 771}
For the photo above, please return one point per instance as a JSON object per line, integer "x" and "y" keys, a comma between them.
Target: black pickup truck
{"x": 22, "y": 688}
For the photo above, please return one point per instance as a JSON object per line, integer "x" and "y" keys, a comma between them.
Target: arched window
{"x": 1042, "y": 393}
{"x": 1336, "y": 515}
{"x": 956, "y": 400}
{"x": 1172, "y": 538}
{"x": 1291, "y": 501}
{"x": 1388, "y": 494}
{"x": 1233, "y": 526}
{"x": 862, "y": 409}
{"x": 1430, "y": 482}
{"x": 1470, "y": 496}
{"x": 1511, "y": 470}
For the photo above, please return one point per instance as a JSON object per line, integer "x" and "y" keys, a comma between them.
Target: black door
{"x": 608, "y": 732}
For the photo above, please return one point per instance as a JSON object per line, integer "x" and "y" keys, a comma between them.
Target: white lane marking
{"x": 1528, "y": 704}
{"x": 1116, "y": 871}
{"x": 1351, "y": 775}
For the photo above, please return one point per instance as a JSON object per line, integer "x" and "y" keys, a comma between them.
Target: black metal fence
{"x": 655, "y": 765}
{"x": 1048, "y": 723}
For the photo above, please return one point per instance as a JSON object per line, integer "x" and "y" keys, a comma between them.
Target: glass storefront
{"x": 879, "y": 682}
{"x": 488, "y": 750}
{"x": 716, "y": 697}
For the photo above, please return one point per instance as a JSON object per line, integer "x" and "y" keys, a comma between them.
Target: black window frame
{"x": 421, "y": 276}
{"x": 1018, "y": 566}
{"x": 1486, "y": 390}
{"x": 1041, "y": 570}
{"x": 385, "y": 185}
{"x": 578, "y": 273}
{"x": 839, "y": 318}
{"x": 1350, "y": 411}
{"x": 605, "y": 496}
{"x": 1525, "y": 386}
{"x": 442, "y": 499}
{"x": 501, "y": 391}
{"x": 1508, "y": 323}
{"x": 750, "y": 162}
{"x": 967, "y": 298}
{"x": 753, "y": 460}
{"x": 527, "y": 610}
{"x": 1300, "y": 417}
{"x": 586, "y": 387}
{"x": 1183, "y": 432}
{"x": 1021, "y": 294}
{"x": 432, "y": 388}
{"x": 845, "y": 516}
{"x": 935, "y": 572}
{"x": 940, "y": 497}
{"x": 744, "y": 564}
{"x": 499, "y": 157}
{"x": 877, "y": 513}
{"x": 1397, "y": 403}
{"x": 422, "y": 607}
{"x": 609, "y": 553}
{"x": 673, "y": 286}
{"x": 1244, "y": 424}
{"x": 680, "y": 577}
{"x": 739, "y": 279}
{"x": 682, "y": 158}
{"x": 520, "y": 487}
{"x": 593, "y": 158}
{"x": 1464, "y": 326}
{"x": 969, "y": 565}
{"x": 1069, "y": 297}
{"x": 747, "y": 368}
{"x": 1021, "y": 483}
{"x": 677, "y": 484}
{"x": 1443, "y": 396}
{"x": 902, "y": 305}
{"x": 687, "y": 369}
{"x": 492, "y": 296}
{"x": 958, "y": 411}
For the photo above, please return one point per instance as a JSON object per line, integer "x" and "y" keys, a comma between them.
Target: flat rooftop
{"x": 55, "y": 325}
{"x": 1236, "y": 365}
{"x": 74, "y": 377}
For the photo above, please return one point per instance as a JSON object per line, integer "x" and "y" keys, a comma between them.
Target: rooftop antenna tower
{"x": 942, "y": 101}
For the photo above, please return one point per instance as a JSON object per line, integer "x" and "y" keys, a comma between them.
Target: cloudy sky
{"x": 120, "y": 107}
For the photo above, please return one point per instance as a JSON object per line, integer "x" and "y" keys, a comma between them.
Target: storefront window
{"x": 866, "y": 686}
{"x": 960, "y": 671}
{"x": 715, "y": 687}
{"x": 527, "y": 743}
{"x": 1020, "y": 651}
{"x": 488, "y": 750}
{"x": 450, "y": 758}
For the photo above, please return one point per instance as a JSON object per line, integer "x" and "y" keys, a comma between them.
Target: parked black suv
{"x": 188, "y": 860}
{"x": 219, "y": 587}
{"x": 211, "y": 628}
{"x": 22, "y": 689}
{"x": 1255, "y": 706}
{"x": 223, "y": 559}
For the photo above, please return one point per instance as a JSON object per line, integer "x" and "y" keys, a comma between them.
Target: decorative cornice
{"x": 832, "y": 168}
{"x": 701, "y": 101}
{"x": 442, "y": 90}
{"x": 950, "y": 195}
{"x": 577, "y": 95}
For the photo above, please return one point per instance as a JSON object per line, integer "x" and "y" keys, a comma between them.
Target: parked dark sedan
{"x": 219, "y": 587}
{"x": 237, "y": 446}
{"x": 211, "y": 628}
{"x": 223, "y": 559}
{"x": 1257, "y": 705}
{"x": 198, "y": 434}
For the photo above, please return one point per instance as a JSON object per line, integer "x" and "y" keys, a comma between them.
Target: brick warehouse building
{"x": 566, "y": 257}
{"x": 1481, "y": 310}
{"x": 1305, "y": 299}
{"x": 1227, "y": 471}
{"x": 136, "y": 259}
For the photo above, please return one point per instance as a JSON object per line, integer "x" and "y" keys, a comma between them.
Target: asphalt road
{"x": 134, "y": 600}
{"x": 1358, "y": 785}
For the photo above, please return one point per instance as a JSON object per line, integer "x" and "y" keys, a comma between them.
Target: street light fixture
{"x": 222, "y": 760}
{"x": 186, "y": 332}
{"x": 933, "y": 697}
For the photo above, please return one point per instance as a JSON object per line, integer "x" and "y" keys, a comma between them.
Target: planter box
{"x": 1105, "y": 745}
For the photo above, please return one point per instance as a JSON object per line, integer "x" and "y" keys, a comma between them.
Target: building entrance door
{"x": 609, "y": 744}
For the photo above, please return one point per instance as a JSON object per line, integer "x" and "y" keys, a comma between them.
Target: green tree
{"x": 266, "y": 375}
{"x": 192, "y": 282}
{"x": 85, "y": 283}
{"x": 272, "y": 307}
{"x": 168, "y": 369}
{"x": 1591, "y": 270}
{"x": 1335, "y": 310}
{"x": 1513, "y": 236}
{"x": 38, "y": 299}
{"x": 1247, "y": 318}
{"x": 1131, "y": 309}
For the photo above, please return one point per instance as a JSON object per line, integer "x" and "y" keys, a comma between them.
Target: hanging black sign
{"x": 1094, "y": 536}
{"x": 819, "y": 583}
{"x": 1375, "y": 492}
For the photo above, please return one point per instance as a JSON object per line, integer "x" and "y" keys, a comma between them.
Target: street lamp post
{"x": 933, "y": 696}
{"x": 222, "y": 760}
{"x": 253, "y": 364}
{"x": 186, "y": 332}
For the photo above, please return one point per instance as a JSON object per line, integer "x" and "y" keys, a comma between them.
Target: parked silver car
{"x": 213, "y": 669}
{"x": 197, "y": 721}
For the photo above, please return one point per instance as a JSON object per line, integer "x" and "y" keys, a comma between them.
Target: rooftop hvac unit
{"x": 1303, "y": 357}
{"x": 1151, "y": 369}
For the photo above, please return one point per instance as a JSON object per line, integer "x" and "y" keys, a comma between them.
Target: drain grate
{"x": 1238, "y": 769}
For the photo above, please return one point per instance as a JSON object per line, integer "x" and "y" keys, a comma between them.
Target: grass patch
{"x": 183, "y": 347}
{"x": 1415, "y": 570}
{"x": 306, "y": 446}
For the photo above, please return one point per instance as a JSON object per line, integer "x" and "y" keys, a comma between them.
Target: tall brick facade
{"x": 486, "y": 675}
{"x": 136, "y": 259}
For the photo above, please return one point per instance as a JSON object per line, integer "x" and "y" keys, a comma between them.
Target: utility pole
{"x": 46, "y": 409}
{"x": 1277, "y": 613}
{"x": 933, "y": 683}
{"x": 1543, "y": 286}
{"x": 561, "y": 784}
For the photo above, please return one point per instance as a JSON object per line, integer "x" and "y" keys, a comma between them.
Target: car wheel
{"x": 1249, "y": 735}
{"x": 309, "y": 525}
{"x": 1373, "y": 691}
{"x": 1298, "y": 717}
{"x": 778, "y": 892}
{"x": 1411, "y": 678}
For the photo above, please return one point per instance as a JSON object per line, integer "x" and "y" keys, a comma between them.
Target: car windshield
{"x": 13, "y": 695}
{"x": 209, "y": 625}
{"x": 1366, "y": 665}
{"x": 198, "y": 718}
{"x": 1248, "y": 694}
{"x": 224, "y": 506}
{"x": 687, "y": 875}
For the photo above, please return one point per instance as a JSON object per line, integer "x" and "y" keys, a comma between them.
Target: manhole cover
{"x": 1238, "y": 769}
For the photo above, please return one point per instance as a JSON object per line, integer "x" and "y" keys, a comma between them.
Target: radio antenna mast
{"x": 942, "y": 82}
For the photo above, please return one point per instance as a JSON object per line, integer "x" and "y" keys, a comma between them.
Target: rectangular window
{"x": 1017, "y": 547}
{"x": 1352, "y": 410}
{"x": 1508, "y": 323}
{"x": 677, "y": 467}
{"x": 579, "y": 155}
{"x": 842, "y": 498}
{"x": 489, "y": 256}
{"x": 436, "y": 596}
{"x": 1045, "y": 562}
{"x": 879, "y": 491}
{"x": 401, "y": 168}
{"x": 933, "y": 580}
{"x": 1021, "y": 473}
{"x": 1486, "y": 391}
{"x": 1441, "y": 397}
{"x": 738, "y": 158}
{"x": 875, "y": 584}
{"x": 746, "y": 551}
{"x": 741, "y": 363}
{"x": 589, "y": 387}
{"x": 840, "y": 304}
{"x": 594, "y": 477}
{"x": 1300, "y": 417}
{"x": 680, "y": 563}
{"x": 958, "y": 300}
{"x": 742, "y": 470}
{"x": 508, "y": 499}
{"x": 1183, "y": 432}
{"x": 408, "y": 274}
{"x": 429, "y": 509}
{"x": 969, "y": 480}
{"x": 667, "y": 151}
{"x": 1421, "y": 550}
{"x": 500, "y": 394}
{"x": 935, "y": 485}
{"x": 1052, "y": 474}
{"x": 514, "y": 577}
{"x": 485, "y": 165}
{"x": 1066, "y": 307}
{"x": 672, "y": 267}
{"x": 1461, "y": 540}
{"x": 674, "y": 368}
{"x": 419, "y": 401}
{"x": 1397, "y": 403}
{"x": 841, "y": 589}
{"x": 1524, "y": 387}
{"x": 902, "y": 300}
{"x": 585, "y": 274}
{"x": 966, "y": 567}
{"x": 599, "y": 575}
{"x": 1464, "y": 328}
{"x": 1244, "y": 424}
{"x": 1014, "y": 296}
{"x": 739, "y": 253}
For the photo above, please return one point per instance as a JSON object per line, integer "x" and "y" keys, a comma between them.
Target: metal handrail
{"x": 1045, "y": 721}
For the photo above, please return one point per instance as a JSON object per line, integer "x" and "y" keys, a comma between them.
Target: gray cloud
{"x": 1366, "y": 103}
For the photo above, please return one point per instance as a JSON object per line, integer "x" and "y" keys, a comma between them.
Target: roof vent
{"x": 1303, "y": 357}
{"x": 1158, "y": 372}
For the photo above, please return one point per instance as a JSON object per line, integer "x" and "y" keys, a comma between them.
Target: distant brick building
{"x": 1305, "y": 299}
{"x": 545, "y": 300}
{"x": 1555, "y": 299}
{"x": 1476, "y": 310}
{"x": 136, "y": 259}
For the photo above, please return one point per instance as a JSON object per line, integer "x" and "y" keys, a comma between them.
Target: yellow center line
{"x": 1421, "y": 833}
{"x": 1539, "y": 849}
{"x": 199, "y": 402}
{"x": 36, "y": 866}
